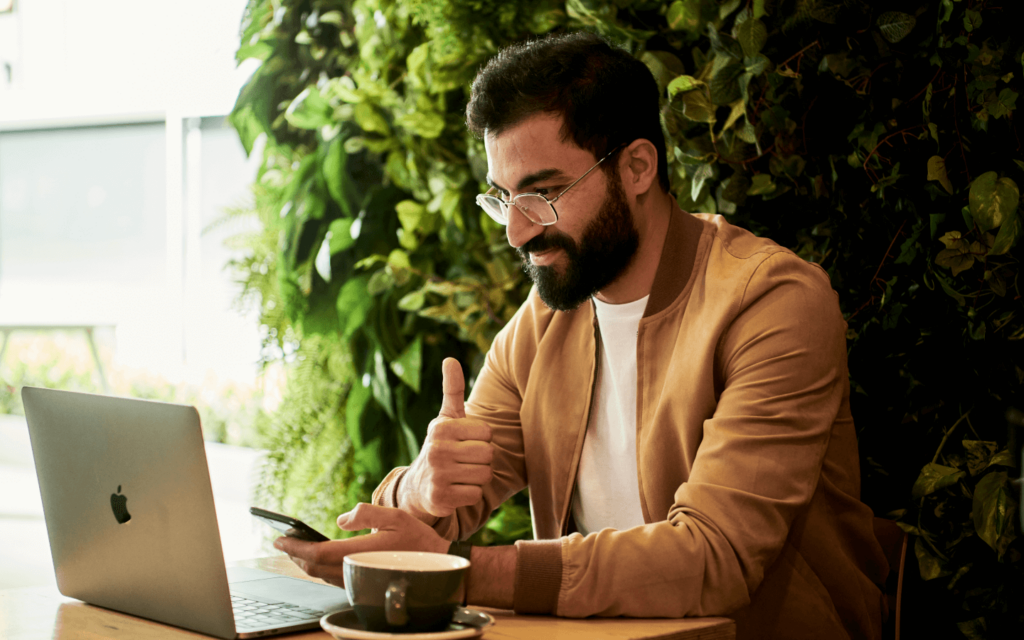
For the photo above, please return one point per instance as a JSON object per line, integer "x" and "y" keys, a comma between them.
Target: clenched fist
{"x": 455, "y": 461}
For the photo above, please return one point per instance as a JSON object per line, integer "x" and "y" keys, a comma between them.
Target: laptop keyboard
{"x": 253, "y": 614}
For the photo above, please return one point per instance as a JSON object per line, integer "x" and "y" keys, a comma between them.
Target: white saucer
{"x": 467, "y": 623}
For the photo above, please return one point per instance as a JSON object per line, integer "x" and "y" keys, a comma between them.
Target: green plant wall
{"x": 875, "y": 138}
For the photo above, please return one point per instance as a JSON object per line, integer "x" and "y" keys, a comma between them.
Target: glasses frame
{"x": 551, "y": 203}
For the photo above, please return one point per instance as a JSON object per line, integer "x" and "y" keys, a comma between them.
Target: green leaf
{"x": 930, "y": 566}
{"x": 682, "y": 84}
{"x": 950, "y": 291}
{"x": 1009, "y": 233}
{"x": 752, "y": 35}
{"x": 1002, "y": 104}
{"x": 895, "y": 25}
{"x": 684, "y": 15}
{"x": 412, "y": 301}
{"x": 761, "y": 184}
{"x": 992, "y": 510}
{"x": 309, "y": 110}
{"x": 339, "y": 235}
{"x": 979, "y": 454}
{"x": 934, "y": 220}
{"x": 992, "y": 200}
{"x": 702, "y": 173}
{"x": 355, "y": 405}
{"x": 664, "y": 66}
{"x": 934, "y": 477}
{"x": 408, "y": 365}
{"x": 972, "y": 20}
{"x": 380, "y": 385}
{"x": 696, "y": 105}
{"x": 724, "y": 86}
{"x": 353, "y": 305}
{"x": 369, "y": 119}
{"x": 958, "y": 260}
{"x": 937, "y": 172}
{"x": 335, "y": 173}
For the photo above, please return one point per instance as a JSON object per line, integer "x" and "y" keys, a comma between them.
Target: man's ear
{"x": 638, "y": 166}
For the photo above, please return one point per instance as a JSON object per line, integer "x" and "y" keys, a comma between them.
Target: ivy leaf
{"x": 895, "y": 25}
{"x": 684, "y": 15}
{"x": 934, "y": 477}
{"x": 1009, "y": 233}
{"x": 702, "y": 173}
{"x": 697, "y": 105}
{"x": 682, "y": 84}
{"x": 992, "y": 510}
{"x": 752, "y": 35}
{"x": 724, "y": 86}
{"x": 407, "y": 366}
{"x": 972, "y": 20}
{"x": 761, "y": 184}
{"x": 992, "y": 200}
{"x": 958, "y": 260}
{"x": 937, "y": 172}
{"x": 1003, "y": 104}
{"x": 979, "y": 454}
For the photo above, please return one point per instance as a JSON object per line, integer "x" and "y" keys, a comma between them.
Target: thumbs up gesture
{"x": 455, "y": 462}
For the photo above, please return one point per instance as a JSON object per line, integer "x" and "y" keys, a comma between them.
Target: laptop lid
{"x": 129, "y": 508}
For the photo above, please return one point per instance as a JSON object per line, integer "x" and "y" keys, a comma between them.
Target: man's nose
{"x": 520, "y": 229}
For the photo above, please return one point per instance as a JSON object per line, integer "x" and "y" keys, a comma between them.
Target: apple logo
{"x": 119, "y": 504}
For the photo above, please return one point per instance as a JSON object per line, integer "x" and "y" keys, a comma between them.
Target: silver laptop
{"x": 130, "y": 517}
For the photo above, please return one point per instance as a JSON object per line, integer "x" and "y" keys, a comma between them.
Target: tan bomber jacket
{"x": 746, "y": 451}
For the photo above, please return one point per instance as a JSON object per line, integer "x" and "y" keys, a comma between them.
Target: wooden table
{"x": 40, "y": 613}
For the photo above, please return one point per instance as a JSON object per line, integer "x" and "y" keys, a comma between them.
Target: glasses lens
{"x": 536, "y": 208}
{"x": 494, "y": 207}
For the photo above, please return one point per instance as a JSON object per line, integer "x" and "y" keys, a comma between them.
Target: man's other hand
{"x": 396, "y": 530}
{"x": 455, "y": 461}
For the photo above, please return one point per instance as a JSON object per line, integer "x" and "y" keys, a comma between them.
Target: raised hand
{"x": 455, "y": 462}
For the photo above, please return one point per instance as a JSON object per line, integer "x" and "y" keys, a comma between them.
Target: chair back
{"x": 894, "y": 544}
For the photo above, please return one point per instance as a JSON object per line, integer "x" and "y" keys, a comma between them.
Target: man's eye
{"x": 542, "y": 192}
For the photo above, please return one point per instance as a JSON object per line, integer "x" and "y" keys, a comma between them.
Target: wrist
{"x": 406, "y": 501}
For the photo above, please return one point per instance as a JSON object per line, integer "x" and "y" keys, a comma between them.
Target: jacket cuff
{"x": 386, "y": 495}
{"x": 538, "y": 576}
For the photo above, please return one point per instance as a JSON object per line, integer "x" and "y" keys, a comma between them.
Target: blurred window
{"x": 84, "y": 204}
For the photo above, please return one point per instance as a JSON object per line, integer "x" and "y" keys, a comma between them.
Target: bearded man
{"x": 674, "y": 392}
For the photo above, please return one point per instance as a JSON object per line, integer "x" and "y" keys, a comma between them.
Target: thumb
{"x": 453, "y": 386}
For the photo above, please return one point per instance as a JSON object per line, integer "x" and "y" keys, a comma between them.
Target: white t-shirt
{"x": 607, "y": 490}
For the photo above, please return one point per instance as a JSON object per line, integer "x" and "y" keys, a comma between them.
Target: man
{"x": 674, "y": 391}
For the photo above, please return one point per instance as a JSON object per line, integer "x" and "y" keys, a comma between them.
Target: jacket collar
{"x": 677, "y": 258}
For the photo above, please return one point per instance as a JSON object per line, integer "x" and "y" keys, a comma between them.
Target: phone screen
{"x": 288, "y": 525}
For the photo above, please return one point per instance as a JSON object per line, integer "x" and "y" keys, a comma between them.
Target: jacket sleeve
{"x": 782, "y": 362}
{"x": 495, "y": 399}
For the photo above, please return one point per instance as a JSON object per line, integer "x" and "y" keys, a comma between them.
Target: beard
{"x": 603, "y": 252}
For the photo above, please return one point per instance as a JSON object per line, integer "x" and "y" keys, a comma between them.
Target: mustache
{"x": 548, "y": 240}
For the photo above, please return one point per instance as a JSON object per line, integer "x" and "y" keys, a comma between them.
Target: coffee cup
{"x": 405, "y": 591}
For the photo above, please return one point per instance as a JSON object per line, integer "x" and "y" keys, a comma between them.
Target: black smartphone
{"x": 288, "y": 525}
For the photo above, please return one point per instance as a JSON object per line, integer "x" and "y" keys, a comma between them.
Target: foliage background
{"x": 877, "y": 139}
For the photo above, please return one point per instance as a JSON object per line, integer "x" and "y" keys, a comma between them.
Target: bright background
{"x": 115, "y": 160}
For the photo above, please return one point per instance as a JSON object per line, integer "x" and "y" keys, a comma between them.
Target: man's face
{"x": 593, "y": 241}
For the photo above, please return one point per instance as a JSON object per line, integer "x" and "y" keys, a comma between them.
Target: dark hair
{"x": 606, "y": 96}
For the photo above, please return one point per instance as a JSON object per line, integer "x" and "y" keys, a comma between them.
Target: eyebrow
{"x": 536, "y": 176}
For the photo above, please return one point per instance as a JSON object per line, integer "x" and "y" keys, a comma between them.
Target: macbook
{"x": 131, "y": 522}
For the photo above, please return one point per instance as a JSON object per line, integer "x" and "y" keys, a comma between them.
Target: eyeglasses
{"x": 536, "y": 208}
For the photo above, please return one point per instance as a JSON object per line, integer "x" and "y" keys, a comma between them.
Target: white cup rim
{"x": 417, "y": 561}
